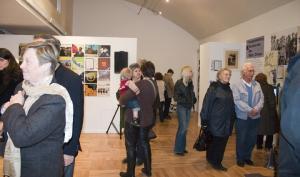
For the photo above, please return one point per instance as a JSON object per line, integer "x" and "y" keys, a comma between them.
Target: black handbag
{"x": 203, "y": 139}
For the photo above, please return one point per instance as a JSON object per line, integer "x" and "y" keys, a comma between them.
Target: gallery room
{"x": 162, "y": 88}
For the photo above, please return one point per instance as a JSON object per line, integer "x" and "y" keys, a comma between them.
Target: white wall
{"x": 159, "y": 40}
{"x": 98, "y": 111}
{"x": 279, "y": 19}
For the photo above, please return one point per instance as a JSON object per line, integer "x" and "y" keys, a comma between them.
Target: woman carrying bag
{"x": 217, "y": 117}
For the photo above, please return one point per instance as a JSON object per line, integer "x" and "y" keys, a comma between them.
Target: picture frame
{"x": 231, "y": 59}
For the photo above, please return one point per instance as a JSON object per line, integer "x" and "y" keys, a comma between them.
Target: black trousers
{"x": 215, "y": 150}
{"x": 134, "y": 134}
{"x": 167, "y": 104}
{"x": 268, "y": 143}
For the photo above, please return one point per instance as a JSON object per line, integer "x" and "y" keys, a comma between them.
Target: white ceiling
{"x": 202, "y": 18}
{"x": 16, "y": 19}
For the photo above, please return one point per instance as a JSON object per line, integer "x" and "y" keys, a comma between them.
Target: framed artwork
{"x": 232, "y": 59}
{"x": 216, "y": 65}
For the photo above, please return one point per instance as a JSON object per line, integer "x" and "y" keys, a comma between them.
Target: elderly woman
{"x": 38, "y": 118}
{"x": 217, "y": 116}
{"x": 184, "y": 95}
{"x": 145, "y": 90}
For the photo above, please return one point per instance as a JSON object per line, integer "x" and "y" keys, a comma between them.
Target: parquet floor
{"x": 102, "y": 155}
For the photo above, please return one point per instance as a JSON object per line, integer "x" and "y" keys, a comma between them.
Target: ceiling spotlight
{"x": 167, "y": 1}
{"x": 159, "y": 12}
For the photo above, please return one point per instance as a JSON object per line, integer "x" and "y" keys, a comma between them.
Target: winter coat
{"x": 184, "y": 95}
{"x": 218, "y": 109}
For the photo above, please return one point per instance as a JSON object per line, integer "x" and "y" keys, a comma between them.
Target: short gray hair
{"x": 221, "y": 71}
{"x": 245, "y": 66}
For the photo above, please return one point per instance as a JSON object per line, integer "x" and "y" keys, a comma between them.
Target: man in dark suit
{"x": 72, "y": 82}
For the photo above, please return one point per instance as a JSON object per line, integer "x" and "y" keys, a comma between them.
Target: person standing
{"x": 169, "y": 92}
{"x": 217, "y": 117}
{"x": 73, "y": 83}
{"x": 249, "y": 99}
{"x": 268, "y": 114}
{"x": 289, "y": 144}
{"x": 185, "y": 97}
{"x": 161, "y": 90}
{"x": 145, "y": 91}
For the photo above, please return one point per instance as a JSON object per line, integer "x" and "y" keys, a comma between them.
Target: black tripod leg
{"x": 112, "y": 121}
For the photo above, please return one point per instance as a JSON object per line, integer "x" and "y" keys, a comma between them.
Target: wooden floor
{"x": 102, "y": 155}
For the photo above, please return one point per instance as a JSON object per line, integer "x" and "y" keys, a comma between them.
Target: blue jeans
{"x": 69, "y": 170}
{"x": 184, "y": 115}
{"x": 246, "y": 136}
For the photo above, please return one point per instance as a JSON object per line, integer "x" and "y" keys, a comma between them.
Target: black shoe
{"x": 240, "y": 163}
{"x": 179, "y": 153}
{"x": 259, "y": 147}
{"x": 219, "y": 167}
{"x": 139, "y": 162}
{"x": 185, "y": 151}
{"x": 145, "y": 173}
{"x": 249, "y": 162}
{"x": 135, "y": 123}
{"x": 125, "y": 174}
{"x": 124, "y": 161}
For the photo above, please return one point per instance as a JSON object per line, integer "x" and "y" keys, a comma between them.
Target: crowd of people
{"x": 42, "y": 113}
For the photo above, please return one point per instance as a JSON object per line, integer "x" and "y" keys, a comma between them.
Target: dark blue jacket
{"x": 72, "y": 82}
{"x": 218, "y": 109}
{"x": 289, "y": 147}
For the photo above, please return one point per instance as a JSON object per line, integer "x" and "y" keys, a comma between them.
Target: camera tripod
{"x": 112, "y": 123}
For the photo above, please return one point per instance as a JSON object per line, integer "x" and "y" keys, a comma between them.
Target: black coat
{"x": 268, "y": 112}
{"x": 72, "y": 82}
{"x": 39, "y": 135}
{"x": 289, "y": 147}
{"x": 218, "y": 109}
{"x": 184, "y": 95}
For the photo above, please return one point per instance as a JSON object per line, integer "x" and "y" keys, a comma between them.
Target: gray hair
{"x": 46, "y": 52}
{"x": 245, "y": 67}
{"x": 221, "y": 71}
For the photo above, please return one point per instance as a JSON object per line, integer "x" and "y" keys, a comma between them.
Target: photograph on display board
{"x": 285, "y": 42}
{"x": 77, "y": 50}
{"x": 103, "y": 75}
{"x": 65, "y": 61}
{"x": 77, "y": 65}
{"x": 255, "y": 47}
{"x": 216, "y": 65}
{"x": 104, "y": 51}
{"x": 90, "y": 77}
{"x": 91, "y": 50}
{"x": 270, "y": 67}
{"x": 91, "y": 63}
{"x": 104, "y": 63}
{"x": 65, "y": 50}
{"x": 90, "y": 89}
{"x": 232, "y": 59}
{"x": 103, "y": 91}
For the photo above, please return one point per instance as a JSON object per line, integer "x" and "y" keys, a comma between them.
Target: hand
{"x": 5, "y": 106}
{"x": 133, "y": 87}
{"x": 17, "y": 98}
{"x": 253, "y": 112}
{"x": 68, "y": 159}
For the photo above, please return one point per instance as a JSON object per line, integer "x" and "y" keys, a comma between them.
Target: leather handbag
{"x": 203, "y": 140}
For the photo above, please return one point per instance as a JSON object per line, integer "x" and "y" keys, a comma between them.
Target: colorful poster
{"x": 104, "y": 51}
{"x": 91, "y": 63}
{"x": 104, "y": 63}
{"x": 91, "y": 50}
{"x": 66, "y": 61}
{"x": 77, "y": 50}
{"x": 77, "y": 65}
{"x": 104, "y": 75}
{"x": 65, "y": 50}
{"x": 255, "y": 47}
{"x": 90, "y": 77}
{"x": 90, "y": 89}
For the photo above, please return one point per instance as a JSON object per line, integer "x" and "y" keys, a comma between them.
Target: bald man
{"x": 248, "y": 99}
